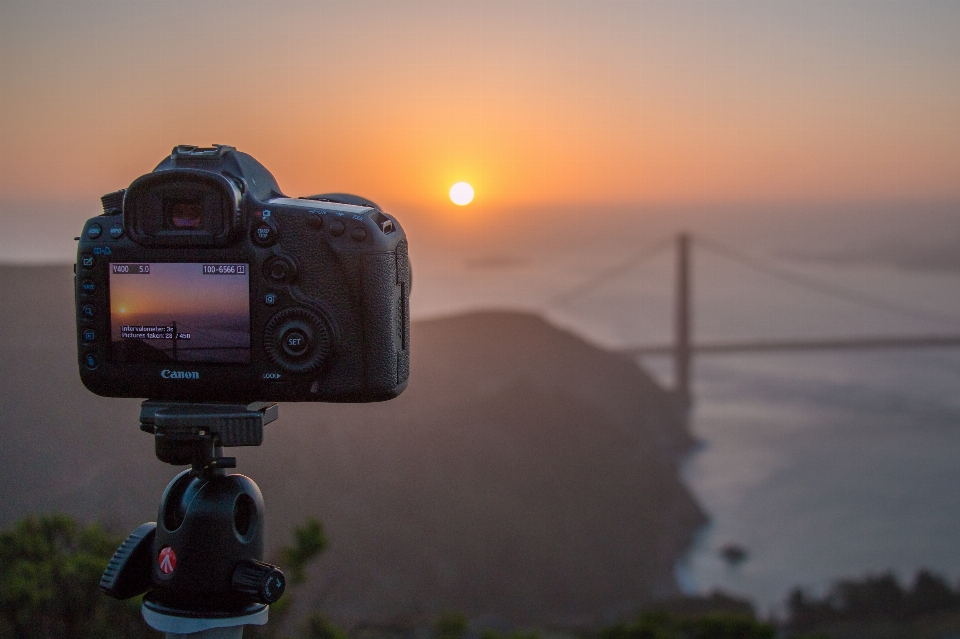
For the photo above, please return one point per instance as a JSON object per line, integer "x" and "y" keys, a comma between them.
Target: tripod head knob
{"x": 128, "y": 573}
{"x": 259, "y": 581}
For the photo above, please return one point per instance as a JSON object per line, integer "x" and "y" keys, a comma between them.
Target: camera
{"x": 201, "y": 281}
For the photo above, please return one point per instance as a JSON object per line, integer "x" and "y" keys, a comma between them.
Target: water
{"x": 826, "y": 465}
{"x": 821, "y": 465}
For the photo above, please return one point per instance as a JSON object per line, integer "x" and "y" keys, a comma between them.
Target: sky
{"x": 536, "y": 103}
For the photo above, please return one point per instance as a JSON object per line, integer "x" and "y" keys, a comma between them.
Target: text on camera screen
{"x": 171, "y": 312}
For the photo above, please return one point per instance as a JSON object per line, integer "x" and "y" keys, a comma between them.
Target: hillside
{"x": 524, "y": 473}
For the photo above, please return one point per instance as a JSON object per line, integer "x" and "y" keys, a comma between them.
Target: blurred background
{"x": 811, "y": 148}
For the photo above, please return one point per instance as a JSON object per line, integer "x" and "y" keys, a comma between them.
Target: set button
{"x": 295, "y": 342}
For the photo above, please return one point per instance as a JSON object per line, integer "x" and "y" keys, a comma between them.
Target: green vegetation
{"x": 719, "y": 625}
{"x": 877, "y": 606}
{"x": 50, "y": 568}
{"x": 319, "y": 627}
{"x": 451, "y": 626}
{"x": 309, "y": 542}
{"x": 520, "y": 634}
{"x": 50, "y": 571}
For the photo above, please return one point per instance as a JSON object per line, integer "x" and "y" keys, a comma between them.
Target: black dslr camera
{"x": 203, "y": 282}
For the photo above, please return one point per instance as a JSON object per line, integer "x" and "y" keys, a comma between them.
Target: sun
{"x": 461, "y": 193}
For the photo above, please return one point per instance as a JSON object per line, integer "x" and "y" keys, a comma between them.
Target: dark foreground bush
{"x": 50, "y": 569}
{"x": 875, "y": 598}
{"x": 661, "y": 625}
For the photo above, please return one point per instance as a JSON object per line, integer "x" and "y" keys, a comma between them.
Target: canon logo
{"x": 169, "y": 374}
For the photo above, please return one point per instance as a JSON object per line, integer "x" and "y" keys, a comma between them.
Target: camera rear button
{"x": 94, "y": 231}
{"x": 88, "y": 261}
{"x": 278, "y": 270}
{"x": 88, "y": 310}
{"x": 264, "y": 233}
{"x": 358, "y": 234}
{"x": 295, "y": 342}
{"x": 91, "y": 361}
{"x": 88, "y": 286}
{"x": 116, "y": 231}
{"x": 337, "y": 228}
{"x": 89, "y": 336}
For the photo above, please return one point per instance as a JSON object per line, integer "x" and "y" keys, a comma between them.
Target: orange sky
{"x": 176, "y": 291}
{"x": 533, "y": 102}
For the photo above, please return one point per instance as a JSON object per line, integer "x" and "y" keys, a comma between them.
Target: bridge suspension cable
{"x": 611, "y": 272}
{"x": 824, "y": 288}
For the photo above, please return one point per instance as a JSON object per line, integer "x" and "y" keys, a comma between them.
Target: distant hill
{"x": 524, "y": 473}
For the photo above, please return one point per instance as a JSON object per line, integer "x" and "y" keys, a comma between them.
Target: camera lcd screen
{"x": 166, "y": 312}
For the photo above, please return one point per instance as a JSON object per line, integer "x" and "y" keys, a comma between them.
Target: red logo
{"x": 167, "y": 560}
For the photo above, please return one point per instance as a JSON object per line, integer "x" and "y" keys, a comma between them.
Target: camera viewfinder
{"x": 182, "y": 207}
{"x": 182, "y": 214}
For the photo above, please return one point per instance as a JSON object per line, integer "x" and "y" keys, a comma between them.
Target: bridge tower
{"x": 682, "y": 321}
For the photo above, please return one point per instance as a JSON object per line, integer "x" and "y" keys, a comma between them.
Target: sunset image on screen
{"x": 180, "y": 312}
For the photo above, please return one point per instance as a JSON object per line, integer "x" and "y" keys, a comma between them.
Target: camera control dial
{"x": 297, "y": 340}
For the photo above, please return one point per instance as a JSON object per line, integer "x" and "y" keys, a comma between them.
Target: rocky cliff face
{"x": 524, "y": 473}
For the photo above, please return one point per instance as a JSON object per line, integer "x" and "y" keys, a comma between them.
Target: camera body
{"x": 203, "y": 282}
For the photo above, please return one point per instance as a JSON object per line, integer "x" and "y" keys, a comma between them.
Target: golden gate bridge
{"x": 684, "y": 347}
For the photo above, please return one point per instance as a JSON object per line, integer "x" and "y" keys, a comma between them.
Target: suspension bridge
{"x": 684, "y": 348}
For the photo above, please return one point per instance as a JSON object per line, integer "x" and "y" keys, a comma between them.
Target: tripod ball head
{"x": 210, "y": 523}
{"x": 201, "y": 563}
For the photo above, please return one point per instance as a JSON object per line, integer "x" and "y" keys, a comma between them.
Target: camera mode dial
{"x": 297, "y": 340}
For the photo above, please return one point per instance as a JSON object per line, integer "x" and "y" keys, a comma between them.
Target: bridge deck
{"x": 766, "y": 346}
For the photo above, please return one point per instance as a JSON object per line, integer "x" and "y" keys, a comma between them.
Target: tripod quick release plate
{"x": 187, "y": 433}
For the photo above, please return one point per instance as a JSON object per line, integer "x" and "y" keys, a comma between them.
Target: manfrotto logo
{"x": 169, "y": 374}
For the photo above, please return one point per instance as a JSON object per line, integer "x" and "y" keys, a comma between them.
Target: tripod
{"x": 200, "y": 564}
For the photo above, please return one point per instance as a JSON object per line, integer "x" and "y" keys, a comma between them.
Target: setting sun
{"x": 461, "y": 193}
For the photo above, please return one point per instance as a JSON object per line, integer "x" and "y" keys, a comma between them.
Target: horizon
{"x": 537, "y": 105}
